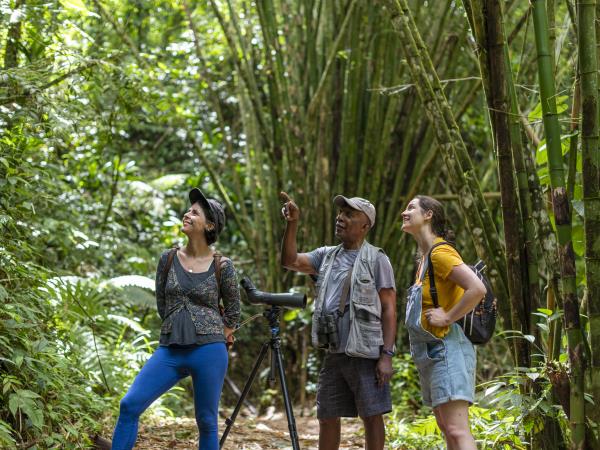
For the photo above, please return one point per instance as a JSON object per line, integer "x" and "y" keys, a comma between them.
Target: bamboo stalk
{"x": 494, "y": 246}
{"x": 561, "y": 207}
{"x": 550, "y": 11}
{"x": 455, "y": 154}
{"x": 490, "y": 37}
{"x": 245, "y": 72}
{"x": 216, "y": 104}
{"x": 588, "y": 74}
{"x": 573, "y": 141}
{"x": 318, "y": 95}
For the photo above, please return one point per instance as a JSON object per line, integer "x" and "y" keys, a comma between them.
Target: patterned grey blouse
{"x": 202, "y": 301}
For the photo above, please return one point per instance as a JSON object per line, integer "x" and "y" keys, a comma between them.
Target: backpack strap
{"x": 430, "y": 270}
{"x": 345, "y": 292}
{"x": 168, "y": 265}
{"x": 219, "y": 261}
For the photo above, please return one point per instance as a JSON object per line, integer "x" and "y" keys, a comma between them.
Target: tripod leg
{"x": 229, "y": 422}
{"x": 275, "y": 348}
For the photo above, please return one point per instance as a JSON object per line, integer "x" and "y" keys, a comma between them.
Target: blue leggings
{"x": 206, "y": 364}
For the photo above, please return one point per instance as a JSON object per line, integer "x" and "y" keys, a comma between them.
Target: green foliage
{"x": 109, "y": 114}
{"x": 46, "y": 391}
{"x": 406, "y": 391}
{"x": 502, "y": 418}
{"x": 492, "y": 428}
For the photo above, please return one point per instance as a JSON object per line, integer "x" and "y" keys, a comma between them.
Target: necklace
{"x": 190, "y": 267}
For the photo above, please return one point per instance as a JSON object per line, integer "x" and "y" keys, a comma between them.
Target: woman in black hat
{"x": 194, "y": 332}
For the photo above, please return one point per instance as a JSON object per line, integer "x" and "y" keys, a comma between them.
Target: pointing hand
{"x": 290, "y": 210}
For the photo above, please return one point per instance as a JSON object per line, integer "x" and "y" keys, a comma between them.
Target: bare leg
{"x": 374, "y": 432}
{"x": 454, "y": 417}
{"x": 440, "y": 421}
{"x": 329, "y": 433}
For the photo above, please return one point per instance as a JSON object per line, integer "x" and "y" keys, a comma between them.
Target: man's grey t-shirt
{"x": 384, "y": 278}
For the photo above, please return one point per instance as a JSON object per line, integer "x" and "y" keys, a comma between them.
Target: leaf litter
{"x": 269, "y": 432}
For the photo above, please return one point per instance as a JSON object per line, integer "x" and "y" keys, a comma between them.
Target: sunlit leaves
{"x": 76, "y": 5}
{"x": 169, "y": 181}
{"x": 133, "y": 280}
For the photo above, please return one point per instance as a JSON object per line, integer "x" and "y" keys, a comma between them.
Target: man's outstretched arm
{"x": 290, "y": 258}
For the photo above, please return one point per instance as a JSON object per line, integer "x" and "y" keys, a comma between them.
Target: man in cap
{"x": 354, "y": 319}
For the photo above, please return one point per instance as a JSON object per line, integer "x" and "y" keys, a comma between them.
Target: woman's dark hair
{"x": 210, "y": 235}
{"x": 438, "y": 218}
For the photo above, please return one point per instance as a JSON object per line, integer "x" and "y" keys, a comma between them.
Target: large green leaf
{"x": 541, "y": 154}
{"x": 561, "y": 106}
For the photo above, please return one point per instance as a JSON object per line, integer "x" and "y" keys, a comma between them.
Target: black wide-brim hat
{"x": 216, "y": 209}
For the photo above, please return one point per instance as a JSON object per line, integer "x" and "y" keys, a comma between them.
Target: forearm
{"x": 289, "y": 249}
{"x": 468, "y": 301}
{"x": 388, "y": 322}
{"x": 230, "y": 292}
{"x": 231, "y": 303}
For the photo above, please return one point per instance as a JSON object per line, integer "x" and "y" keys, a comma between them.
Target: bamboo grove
{"x": 489, "y": 105}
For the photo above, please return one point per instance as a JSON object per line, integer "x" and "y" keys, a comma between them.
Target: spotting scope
{"x": 286, "y": 300}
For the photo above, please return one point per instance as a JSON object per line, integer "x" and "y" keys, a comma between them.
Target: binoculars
{"x": 327, "y": 331}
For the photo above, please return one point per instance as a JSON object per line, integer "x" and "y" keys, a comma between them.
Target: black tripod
{"x": 272, "y": 315}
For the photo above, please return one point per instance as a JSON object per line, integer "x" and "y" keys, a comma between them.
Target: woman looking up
{"x": 193, "y": 336}
{"x": 444, "y": 357}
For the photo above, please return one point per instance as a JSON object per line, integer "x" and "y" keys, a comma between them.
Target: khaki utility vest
{"x": 366, "y": 333}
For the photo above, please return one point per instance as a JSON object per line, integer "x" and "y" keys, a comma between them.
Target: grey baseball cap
{"x": 216, "y": 209}
{"x": 357, "y": 203}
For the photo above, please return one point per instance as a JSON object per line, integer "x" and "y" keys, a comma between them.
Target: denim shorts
{"x": 446, "y": 368}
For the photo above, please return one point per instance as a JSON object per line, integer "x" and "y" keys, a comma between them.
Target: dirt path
{"x": 248, "y": 433}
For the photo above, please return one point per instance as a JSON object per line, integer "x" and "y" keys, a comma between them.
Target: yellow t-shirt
{"x": 444, "y": 258}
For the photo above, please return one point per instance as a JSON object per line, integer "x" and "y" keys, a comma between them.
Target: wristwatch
{"x": 385, "y": 351}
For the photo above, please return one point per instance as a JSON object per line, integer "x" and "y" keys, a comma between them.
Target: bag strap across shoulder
{"x": 430, "y": 270}
{"x": 170, "y": 257}
{"x": 218, "y": 261}
{"x": 345, "y": 291}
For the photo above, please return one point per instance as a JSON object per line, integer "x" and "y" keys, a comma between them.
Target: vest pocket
{"x": 366, "y": 339}
{"x": 366, "y": 291}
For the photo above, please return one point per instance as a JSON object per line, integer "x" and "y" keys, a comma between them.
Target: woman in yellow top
{"x": 444, "y": 357}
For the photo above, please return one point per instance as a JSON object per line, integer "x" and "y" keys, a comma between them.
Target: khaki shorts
{"x": 348, "y": 388}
